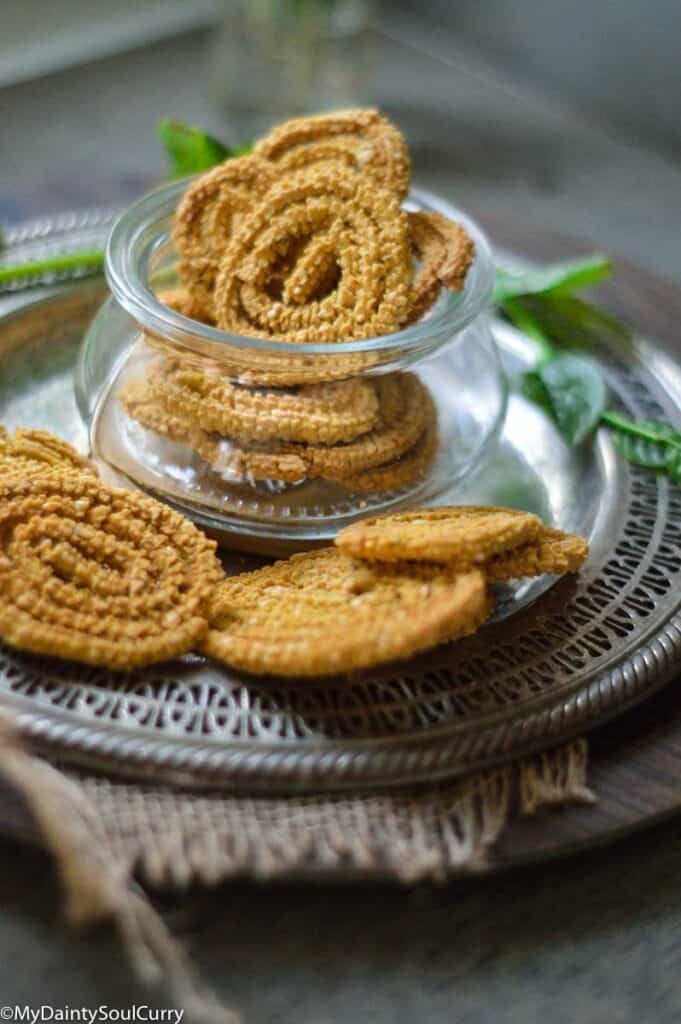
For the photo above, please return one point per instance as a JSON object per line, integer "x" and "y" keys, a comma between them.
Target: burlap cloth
{"x": 110, "y": 839}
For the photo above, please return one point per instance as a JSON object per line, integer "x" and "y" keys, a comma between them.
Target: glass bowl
{"x": 135, "y": 334}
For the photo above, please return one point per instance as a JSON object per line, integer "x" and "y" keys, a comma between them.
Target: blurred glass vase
{"x": 277, "y": 58}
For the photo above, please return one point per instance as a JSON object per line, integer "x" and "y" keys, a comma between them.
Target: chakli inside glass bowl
{"x": 450, "y": 351}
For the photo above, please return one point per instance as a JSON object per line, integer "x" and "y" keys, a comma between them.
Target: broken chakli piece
{"x": 503, "y": 543}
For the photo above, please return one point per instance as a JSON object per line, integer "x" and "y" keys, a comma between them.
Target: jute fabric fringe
{"x": 107, "y": 837}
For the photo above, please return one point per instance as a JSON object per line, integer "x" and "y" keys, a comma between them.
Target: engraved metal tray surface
{"x": 558, "y": 659}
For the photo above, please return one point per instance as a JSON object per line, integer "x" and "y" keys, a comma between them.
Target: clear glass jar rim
{"x": 137, "y": 234}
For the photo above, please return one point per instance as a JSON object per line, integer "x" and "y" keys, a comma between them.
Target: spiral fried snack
{"x": 457, "y": 535}
{"x": 406, "y": 428}
{"x": 445, "y": 252}
{"x": 210, "y": 212}
{"x": 323, "y": 413}
{"x": 503, "y": 543}
{"x": 271, "y": 369}
{"x": 394, "y": 454}
{"x": 100, "y": 575}
{"x": 222, "y": 455}
{"x": 182, "y": 301}
{"x": 31, "y": 452}
{"x": 320, "y": 221}
{"x": 362, "y": 140}
{"x": 278, "y": 620}
{"x": 553, "y": 551}
{"x": 402, "y": 472}
{"x": 142, "y": 406}
{"x": 405, "y": 410}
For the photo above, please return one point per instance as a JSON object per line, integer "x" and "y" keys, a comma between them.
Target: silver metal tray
{"x": 559, "y": 658}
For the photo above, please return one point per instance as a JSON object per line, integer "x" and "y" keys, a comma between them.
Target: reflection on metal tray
{"x": 571, "y": 655}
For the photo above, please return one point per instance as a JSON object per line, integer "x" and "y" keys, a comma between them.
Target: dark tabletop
{"x": 592, "y": 938}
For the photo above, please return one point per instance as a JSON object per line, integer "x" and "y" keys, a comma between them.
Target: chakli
{"x": 304, "y": 241}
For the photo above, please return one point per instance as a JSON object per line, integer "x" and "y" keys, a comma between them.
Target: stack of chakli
{"x": 304, "y": 241}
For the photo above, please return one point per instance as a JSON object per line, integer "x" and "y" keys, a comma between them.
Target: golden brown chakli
{"x": 305, "y": 241}
{"x": 110, "y": 577}
{"x": 210, "y": 213}
{"x": 351, "y": 268}
{"x": 362, "y": 140}
{"x": 100, "y": 575}
{"x": 504, "y": 543}
{"x": 393, "y": 453}
{"x": 325, "y": 413}
{"x": 278, "y": 620}
{"x": 31, "y": 452}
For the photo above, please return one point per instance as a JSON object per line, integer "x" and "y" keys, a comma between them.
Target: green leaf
{"x": 590, "y": 320}
{"x": 651, "y": 430}
{"x": 650, "y": 443}
{"x": 518, "y": 314}
{"x": 574, "y": 324}
{"x": 190, "y": 150}
{"x": 649, "y": 454}
{"x": 556, "y": 278}
{"x": 534, "y": 389}
{"x": 674, "y": 465}
{"x": 577, "y": 395}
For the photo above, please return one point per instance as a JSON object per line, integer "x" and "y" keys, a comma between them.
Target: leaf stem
{"x": 642, "y": 430}
{"x": 91, "y": 259}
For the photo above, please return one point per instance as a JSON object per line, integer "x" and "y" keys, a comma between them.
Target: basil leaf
{"x": 650, "y": 443}
{"x": 638, "y": 450}
{"x": 651, "y": 430}
{"x": 559, "y": 277}
{"x": 518, "y": 314}
{"x": 592, "y": 321}
{"x": 571, "y": 323}
{"x": 577, "y": 395}
{"x": 189, "y": 149}
{"x": 534, "y": 389}
{"x": 650, "y": 454}
{"x": 674, "y": 464}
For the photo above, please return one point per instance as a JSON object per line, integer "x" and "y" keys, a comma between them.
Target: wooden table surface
{"x": 592, "y": 937}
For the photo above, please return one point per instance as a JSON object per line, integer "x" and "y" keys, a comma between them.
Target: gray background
{"x": 618, "y": 61}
